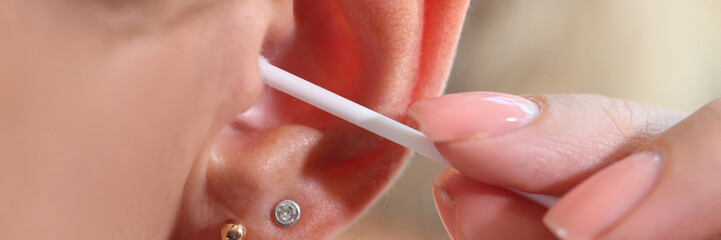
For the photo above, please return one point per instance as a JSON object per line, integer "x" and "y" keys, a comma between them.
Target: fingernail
{"x": 472, "y": 115}
{"x": 604, "y": 198}
{"x": 444, "y": 205}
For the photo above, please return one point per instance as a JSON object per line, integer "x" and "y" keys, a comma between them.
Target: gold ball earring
{"x": 233, "y": 232}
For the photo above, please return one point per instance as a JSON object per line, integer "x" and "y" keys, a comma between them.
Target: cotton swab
{"x": 349, "y": 111}
{"x": 361, "y": 116}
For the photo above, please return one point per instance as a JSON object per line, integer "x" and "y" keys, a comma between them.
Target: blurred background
{"x": 666, "y": 52}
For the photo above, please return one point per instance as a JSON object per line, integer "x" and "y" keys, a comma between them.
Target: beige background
{"x": 666, "y": 52}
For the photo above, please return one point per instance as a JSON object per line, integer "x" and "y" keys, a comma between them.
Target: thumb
{"x": 669, "y": 189}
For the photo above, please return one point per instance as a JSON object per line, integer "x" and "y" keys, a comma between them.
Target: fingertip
{"x": 444, "y": 176}
{"x": 474, "y": 210}
{"x": 489, "y": 162}
{"x": 603, "y": 199}
{"x": 445, "y": 207}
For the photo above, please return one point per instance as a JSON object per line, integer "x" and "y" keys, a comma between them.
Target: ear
{"x": 384, "y": 55}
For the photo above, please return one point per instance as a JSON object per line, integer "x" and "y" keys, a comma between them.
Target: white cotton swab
{"x": 361, "y": 116}
{"x": 349, "y": 111}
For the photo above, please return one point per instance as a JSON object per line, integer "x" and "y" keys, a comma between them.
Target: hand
{"x": 624, "y": 170}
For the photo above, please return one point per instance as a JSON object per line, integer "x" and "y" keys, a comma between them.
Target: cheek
{"x": 230, "y": 57}
{"x": 107, "y": 126}
{"x": 196, "y": 77}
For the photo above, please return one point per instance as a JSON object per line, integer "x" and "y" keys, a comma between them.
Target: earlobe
{"x": 382, "y": 54}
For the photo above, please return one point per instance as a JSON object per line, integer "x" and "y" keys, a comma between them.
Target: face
{"x": 150, "y": 116}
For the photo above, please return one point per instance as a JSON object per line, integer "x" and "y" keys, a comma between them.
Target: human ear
{"x": 384, "y": 55}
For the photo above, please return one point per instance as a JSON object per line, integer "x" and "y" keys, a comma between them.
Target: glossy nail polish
{"x": 603, "y": 199}
{"x": 444, "y": 205}
{"x": 472, "y": 115}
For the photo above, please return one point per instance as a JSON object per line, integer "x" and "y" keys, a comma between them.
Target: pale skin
{"x": 133, "y": 119}
{"x": 148, "y": 120}
{"x": 622, "y": 170}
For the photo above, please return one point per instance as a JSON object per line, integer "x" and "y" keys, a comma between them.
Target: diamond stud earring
{"x": 233, "y": 232}
{"x": 286, "y": 213}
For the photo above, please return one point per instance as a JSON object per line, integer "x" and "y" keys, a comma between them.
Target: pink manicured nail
{"x": 604, "y": 198}
{"x": 444, "y": 205}
{"x": 472, "y": 115}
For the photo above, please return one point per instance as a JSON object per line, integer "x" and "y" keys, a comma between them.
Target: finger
{"x": 473, "y": 210}
{"x": 542, "y": 146}
{"x": 670, "y": 189}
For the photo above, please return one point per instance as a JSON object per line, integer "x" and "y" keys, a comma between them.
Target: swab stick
{"x": 361, "y": 116}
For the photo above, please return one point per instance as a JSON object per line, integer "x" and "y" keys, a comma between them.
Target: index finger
{"x": 498, "y": 139}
